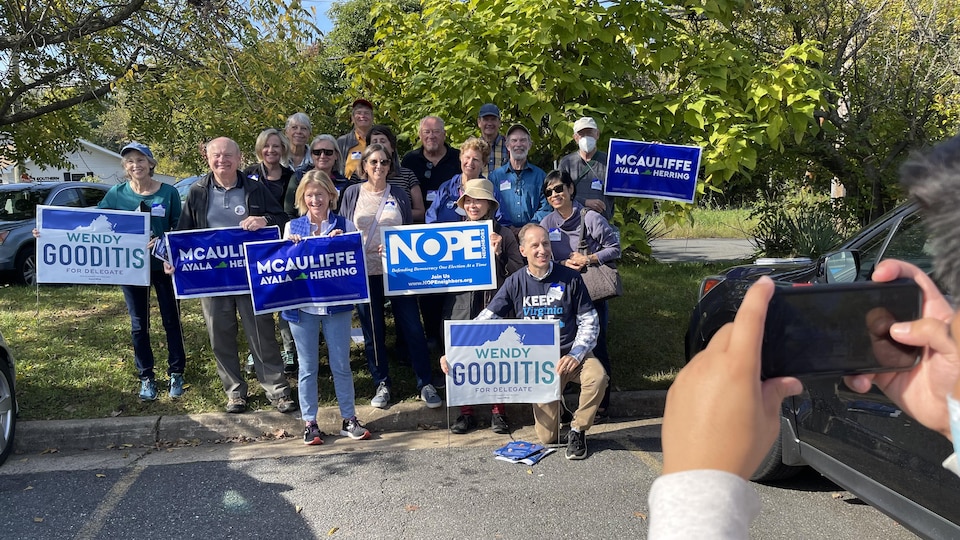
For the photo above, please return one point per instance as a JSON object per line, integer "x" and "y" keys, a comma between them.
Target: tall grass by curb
{"x": 74, "y": 358}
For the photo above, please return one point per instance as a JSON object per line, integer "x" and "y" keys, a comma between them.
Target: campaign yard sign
{"x": 318, "y": 271}
{"x": 440, "y": 257}
{"x": 92, "y": 246}
{"x": 502, "y": 361}
{"x": 210, "y": 262}
{"x": 652, "y": 170}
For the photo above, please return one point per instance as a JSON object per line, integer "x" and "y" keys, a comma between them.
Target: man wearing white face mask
{"x": 588, "y": 167}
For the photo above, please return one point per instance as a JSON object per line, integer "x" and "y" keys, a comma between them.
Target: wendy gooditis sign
{"x": 502, "y": 361}
{"x": 440, "y": 257}
{"x": 317, "y": 271}
{"x": 652, "y": 170}
{"x": 210, "y": 262}
{"x": 92, "y": 246}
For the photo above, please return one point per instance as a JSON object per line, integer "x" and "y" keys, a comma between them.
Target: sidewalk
{"x": 76, "y": 435}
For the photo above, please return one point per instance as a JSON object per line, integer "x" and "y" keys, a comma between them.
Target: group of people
{"x": 548, "y": 228}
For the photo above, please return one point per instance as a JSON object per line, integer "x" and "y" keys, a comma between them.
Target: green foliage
{"x": 548, "y": 62}
{"x": 793, "y": 222}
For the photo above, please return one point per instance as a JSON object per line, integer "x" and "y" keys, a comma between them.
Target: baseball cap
{"x": 139, "y": 147}
{"x": 584, "y": 123}
{"x": 489, "y": 109}
{"x": 516, "y": 127}
{"x": 361, "y": 101}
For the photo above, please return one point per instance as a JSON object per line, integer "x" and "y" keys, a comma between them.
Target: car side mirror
{"x": 841, "y": 266}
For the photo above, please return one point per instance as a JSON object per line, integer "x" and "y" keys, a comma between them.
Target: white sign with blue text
{"x": 92, "y": 246}
{"x": 437, "y": 258}
{"x": 502, "y": 361}
{"x": 652, "y": 170}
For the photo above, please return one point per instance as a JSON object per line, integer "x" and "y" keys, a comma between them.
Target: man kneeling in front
{"x": 549, "y": 291}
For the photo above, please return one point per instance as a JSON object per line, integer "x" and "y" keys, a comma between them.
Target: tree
{"x": 663, "y": 71}
{"x": 894, "y": 63}
{"x": 63, "y": 58}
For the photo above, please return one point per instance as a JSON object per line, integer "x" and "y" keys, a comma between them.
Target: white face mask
{"x": 587, "y": 144}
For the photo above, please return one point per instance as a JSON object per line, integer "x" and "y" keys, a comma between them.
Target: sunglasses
{"x": 555, "y": 190}
{"x": 322, "y": 151}
{"x": 381, "y": 162}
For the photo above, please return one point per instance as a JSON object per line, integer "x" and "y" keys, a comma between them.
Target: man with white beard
{"x": 520, "y": 183}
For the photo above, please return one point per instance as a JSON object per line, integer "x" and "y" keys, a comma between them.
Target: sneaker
{"x": 148, "y": 389}
{"x": 289, "y": 362}
{"x": 354, "y": 429}
{"x": 236, "y": 405}
{"x": 312, "y": 434}
{"x": 464, "y": 423}
{"x": 285, "y": 404}
{"x": 176, "y": 385}
{"x": 249, "y": 365}
{"x": 499, "y": 425}
{"x": 429, "y": 394}
{"x": 576, "y": 445}
{"x": 382, "y": 398}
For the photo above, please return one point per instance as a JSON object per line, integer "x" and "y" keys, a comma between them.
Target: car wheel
{"x": 26, "y": 266}
{"x": 773, "y": 468}
{"x": 8, "y": 411}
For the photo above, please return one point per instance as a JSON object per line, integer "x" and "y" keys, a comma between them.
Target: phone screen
{"x": 839, "y": 329}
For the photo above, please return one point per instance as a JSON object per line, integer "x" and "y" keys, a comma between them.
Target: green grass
{"x": 713, "y": 223}
{"x": 74, "y": 358}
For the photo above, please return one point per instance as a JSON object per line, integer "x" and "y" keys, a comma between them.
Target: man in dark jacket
{"x": 225, "y": 198}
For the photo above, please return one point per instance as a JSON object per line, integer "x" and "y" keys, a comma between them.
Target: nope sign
{"x": 440, "y": 257}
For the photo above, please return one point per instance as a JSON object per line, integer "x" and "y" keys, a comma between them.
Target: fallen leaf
{"x": 101, "y": 475}
{"x": 116, "y": 413}
{"x": 299, "y": 508}
{"x": 126, "y": 445}
{"x": 28, "y": 488}
{"x": 50, "y": 451}
{"x": 529, "y": 471}
{"x": 38, "y": 520}
{"x": 837, "y": 495}
{"x": 111, "y": 446}
{"x": 640, "y": 515}
{"x": 333, "y": 530}
{"x": 411, "y": 507}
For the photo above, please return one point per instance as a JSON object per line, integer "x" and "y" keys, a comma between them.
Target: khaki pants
{"x": 593, "y": 382}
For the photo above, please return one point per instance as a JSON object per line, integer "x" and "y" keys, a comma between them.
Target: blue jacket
{"x": 445, "y": 210}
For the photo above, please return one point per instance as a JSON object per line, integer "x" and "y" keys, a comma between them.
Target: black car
{"x": 863, "y": 442}
{"x": 18, "y": 218}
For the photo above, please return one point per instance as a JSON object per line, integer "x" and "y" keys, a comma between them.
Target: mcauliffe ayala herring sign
{"x": 652, "y": 170}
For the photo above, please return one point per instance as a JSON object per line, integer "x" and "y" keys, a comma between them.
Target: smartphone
{"x": 839, "y": 329}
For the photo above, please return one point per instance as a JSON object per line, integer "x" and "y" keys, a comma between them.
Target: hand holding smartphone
{"x": 839, "y": 329}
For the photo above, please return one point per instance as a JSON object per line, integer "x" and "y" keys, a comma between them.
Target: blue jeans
{"x": 336, "y": 332}
{"x": 406, "y": 316}
{"x": 138, "y": 305}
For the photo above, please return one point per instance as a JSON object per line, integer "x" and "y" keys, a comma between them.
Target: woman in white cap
{"x": 478, "y": 203}
{"x": 144, "y": 193}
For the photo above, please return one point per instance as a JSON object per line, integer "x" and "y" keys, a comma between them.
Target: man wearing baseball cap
{"x": 588, "y": 167}
{"x": 353, "y": 144}
{"x": 489, "y": 123}
{"x": 520, "y": 183}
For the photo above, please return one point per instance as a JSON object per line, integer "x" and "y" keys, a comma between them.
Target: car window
{"x": 93, "y": 196}
{"x": 17, "y": 205}
{"x": 68, "y": 197}
{"x": 908, "y": 243}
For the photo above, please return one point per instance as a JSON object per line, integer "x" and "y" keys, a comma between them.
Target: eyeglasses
{"x": 555, "y": 190}
{"x": 381, "y": 162}
{"x": 322, "y": 151}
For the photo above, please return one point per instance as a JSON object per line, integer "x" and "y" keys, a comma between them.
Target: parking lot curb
{"x": 101, "y": 433}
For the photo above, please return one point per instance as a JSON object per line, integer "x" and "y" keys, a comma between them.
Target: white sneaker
{"x": 382, "y": 398}
{"x": 429, "y": 394}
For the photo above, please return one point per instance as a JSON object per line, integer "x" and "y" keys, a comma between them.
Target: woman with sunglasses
{"x": 371, "y": 206}
{"x": 327, "y": 159}
{"x": 402, "y": 176}
{"x": 603, "y": 246}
